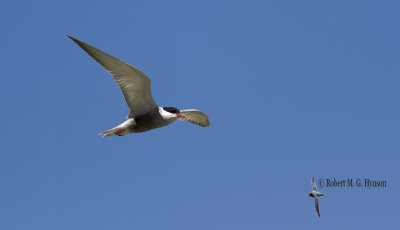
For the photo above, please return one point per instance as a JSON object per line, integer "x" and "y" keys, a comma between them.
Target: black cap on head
{"x": 172, "y": 110}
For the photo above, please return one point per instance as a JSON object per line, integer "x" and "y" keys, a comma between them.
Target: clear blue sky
{"x": 293, "y": 89}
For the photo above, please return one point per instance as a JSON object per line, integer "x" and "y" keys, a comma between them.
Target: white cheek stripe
{"x": 165, "y": 114}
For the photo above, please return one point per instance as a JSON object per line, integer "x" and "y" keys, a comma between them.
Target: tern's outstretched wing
{"x": 134, "y": 84}
{"x": 317, "y": 206}
{"x": 196, "y": 117}
{"x": 313, "y": 184}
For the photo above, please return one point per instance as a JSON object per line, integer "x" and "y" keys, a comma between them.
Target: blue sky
{"x": 292, "y": 88}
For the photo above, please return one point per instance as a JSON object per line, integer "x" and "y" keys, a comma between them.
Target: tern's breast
{"x": 148, "y": 121}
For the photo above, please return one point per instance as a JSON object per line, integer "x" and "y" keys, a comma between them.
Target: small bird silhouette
{"x": 315, "y": 195}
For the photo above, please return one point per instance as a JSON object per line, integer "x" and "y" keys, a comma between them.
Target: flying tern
{"x": 144, "y": 113}
{"x": 315, "y": 195}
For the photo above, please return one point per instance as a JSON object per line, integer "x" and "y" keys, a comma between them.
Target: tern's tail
{"x": 120, "y": 130}
{"x": 110, "y": 132}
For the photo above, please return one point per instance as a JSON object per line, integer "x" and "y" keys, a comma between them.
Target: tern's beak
{"x": 180, "y": 115}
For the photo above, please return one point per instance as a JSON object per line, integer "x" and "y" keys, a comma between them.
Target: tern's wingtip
{"x": 72, "y": 38}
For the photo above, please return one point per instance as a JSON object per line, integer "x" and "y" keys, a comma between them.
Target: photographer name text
{"x": 351, "y": 183}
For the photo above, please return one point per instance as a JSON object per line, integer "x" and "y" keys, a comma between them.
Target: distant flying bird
{"x": 315, "y": 195}
{"x": 144, "y": 113}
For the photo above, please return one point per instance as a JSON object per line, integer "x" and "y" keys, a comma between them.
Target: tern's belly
{"x": 138, "y": 128}
{"x": 145, "y": 123}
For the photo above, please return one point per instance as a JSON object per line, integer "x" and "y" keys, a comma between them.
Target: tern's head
{"x": 171, "y": 112}
{"x": 311, "y": 194}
